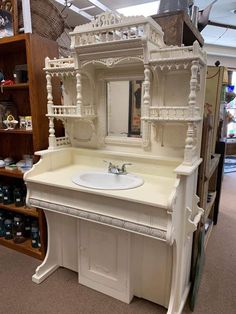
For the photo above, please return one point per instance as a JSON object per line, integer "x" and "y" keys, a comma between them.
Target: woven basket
{"x": 46, "y": 19}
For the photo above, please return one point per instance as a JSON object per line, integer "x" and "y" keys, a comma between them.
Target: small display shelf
{"x": 24, "y": 247}
{"x": 15, "y": 86}
{"x": 213, "y": 164}
{"x": 17, "y": 131}
{"x": 175, "y": 114}
{"x": 208, "y": 229}
{"x": 210, "y": 203}
{"x": 11, "y": 173}
{"x": 22, "y": 210}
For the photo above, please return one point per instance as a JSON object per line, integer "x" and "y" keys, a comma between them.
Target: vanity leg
{"x": 52, "y": 259}
{"x": 179, "y": 293}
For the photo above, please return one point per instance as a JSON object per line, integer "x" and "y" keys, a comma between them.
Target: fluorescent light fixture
{"x": 77, "y": 10}
{"x": 99, "y": 5}
{"x": 146, "y": 9}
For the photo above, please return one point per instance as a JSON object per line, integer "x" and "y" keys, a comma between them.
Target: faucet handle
{"x": 123, "y": 167}
{"x": 110, "y": 165}
{"x": 107, "y": 162}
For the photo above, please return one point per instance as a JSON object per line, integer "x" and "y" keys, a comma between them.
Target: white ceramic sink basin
{"x": 107, "y": 181}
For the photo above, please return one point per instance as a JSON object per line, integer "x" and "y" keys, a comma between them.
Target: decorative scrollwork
{"x": 107, "y": 19}
{"x": 110, "y": 62}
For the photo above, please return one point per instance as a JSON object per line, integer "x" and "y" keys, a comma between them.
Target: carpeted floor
{"x": 61, "y": 294}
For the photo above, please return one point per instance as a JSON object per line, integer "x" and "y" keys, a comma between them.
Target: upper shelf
{"x": 14, "y": 86}
{"x": 173, "y": 114}
{"x": 111, "y": 31}
{"x": 87, "y": 112}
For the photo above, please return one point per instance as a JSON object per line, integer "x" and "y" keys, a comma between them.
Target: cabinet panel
{"x": 104, "y": 259}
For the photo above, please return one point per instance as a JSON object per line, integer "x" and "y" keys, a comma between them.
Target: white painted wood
{"x": 62, "y": 246}
{"x": 104, "y": 260}
{"x": 146, "y": 232}
{"x": 26, "y": 16}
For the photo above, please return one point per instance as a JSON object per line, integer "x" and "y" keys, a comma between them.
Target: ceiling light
{"x": 146, "y": 9}
{"x": 76, "y": 9}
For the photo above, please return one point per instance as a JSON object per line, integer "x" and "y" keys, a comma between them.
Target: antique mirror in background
{"x": 124, "y": 102}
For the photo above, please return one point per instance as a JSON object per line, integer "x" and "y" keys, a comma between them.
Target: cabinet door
{"x": 104, "y": 260}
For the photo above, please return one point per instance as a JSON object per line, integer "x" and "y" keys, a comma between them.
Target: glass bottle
{"x": 27, "y": 232}
{"x": 1, "y": 193}
{"x": 8, "y": 229}
{"x": 2, "y": 228}
{"x": 7, "y": 195}
{"x": 18, "y": 229}
{"x": 23, "y": 192}
{"x": 35, "y": 235}
{"x": 18, "y": 197}
{"x": 39, "y": 243}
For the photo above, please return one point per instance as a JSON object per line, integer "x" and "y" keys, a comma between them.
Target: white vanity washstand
{"x": 132, "y": 241}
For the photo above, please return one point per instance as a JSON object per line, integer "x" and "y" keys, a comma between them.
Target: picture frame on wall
{"x": 8, "y": 18}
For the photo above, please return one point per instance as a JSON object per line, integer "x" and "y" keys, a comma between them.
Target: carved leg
{"x": 53, "y": 259}
{"x": 177, "y": 297}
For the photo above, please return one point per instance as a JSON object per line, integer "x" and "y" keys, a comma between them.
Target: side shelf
{"x": 208, "y": 173}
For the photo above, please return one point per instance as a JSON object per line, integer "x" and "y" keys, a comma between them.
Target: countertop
{"x": 156, "y": 190}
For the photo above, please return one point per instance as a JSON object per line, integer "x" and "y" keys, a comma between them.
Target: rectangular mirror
{"x": 124, "y": 103}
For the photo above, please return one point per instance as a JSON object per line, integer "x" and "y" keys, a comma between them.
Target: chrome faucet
{"x": 115, "y": 169}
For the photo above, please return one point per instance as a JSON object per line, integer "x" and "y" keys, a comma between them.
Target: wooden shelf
{"x": 22, "y": 210}
{"x": 210, "y": 204}
{"x": 208, "y": 233}
{"x": 15, "y": 86}
{"x": 23, "y": 49}
{"x": 213, "y": 164}
{"x": 11, "y": 173}
{"x": 24, "y": 247}
{"x": 178, "y": 28}
{"x": 12, "y": 39}
{"x": 17, "y": 131}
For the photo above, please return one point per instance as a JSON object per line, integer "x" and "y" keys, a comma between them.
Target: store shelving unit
{"x": 30, "y": 99}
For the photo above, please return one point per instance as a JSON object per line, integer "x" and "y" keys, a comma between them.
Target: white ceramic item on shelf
{"x": 10, "y": 122}
{"x": 8, "y": 161}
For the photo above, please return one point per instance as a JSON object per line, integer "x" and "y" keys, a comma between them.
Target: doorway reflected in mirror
{"x": 124, "y": 105}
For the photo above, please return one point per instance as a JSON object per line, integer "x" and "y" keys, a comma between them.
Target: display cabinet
{"x": 23, "y": 95}
{"x": 208, "y": 175}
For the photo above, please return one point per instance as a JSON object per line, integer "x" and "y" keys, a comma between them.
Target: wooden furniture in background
{"x": 220, "y": 149}
{"x": 30, "y": 99}
{"x": 208, "y": 172}
{"x": 210, "y": 175}
{"x": 230, "y": 147}
{"x": 213, "y": 98}
{"x": 178, "y": 28}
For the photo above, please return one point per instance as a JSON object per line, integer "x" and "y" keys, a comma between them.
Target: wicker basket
{"x": 46, "y": 19}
